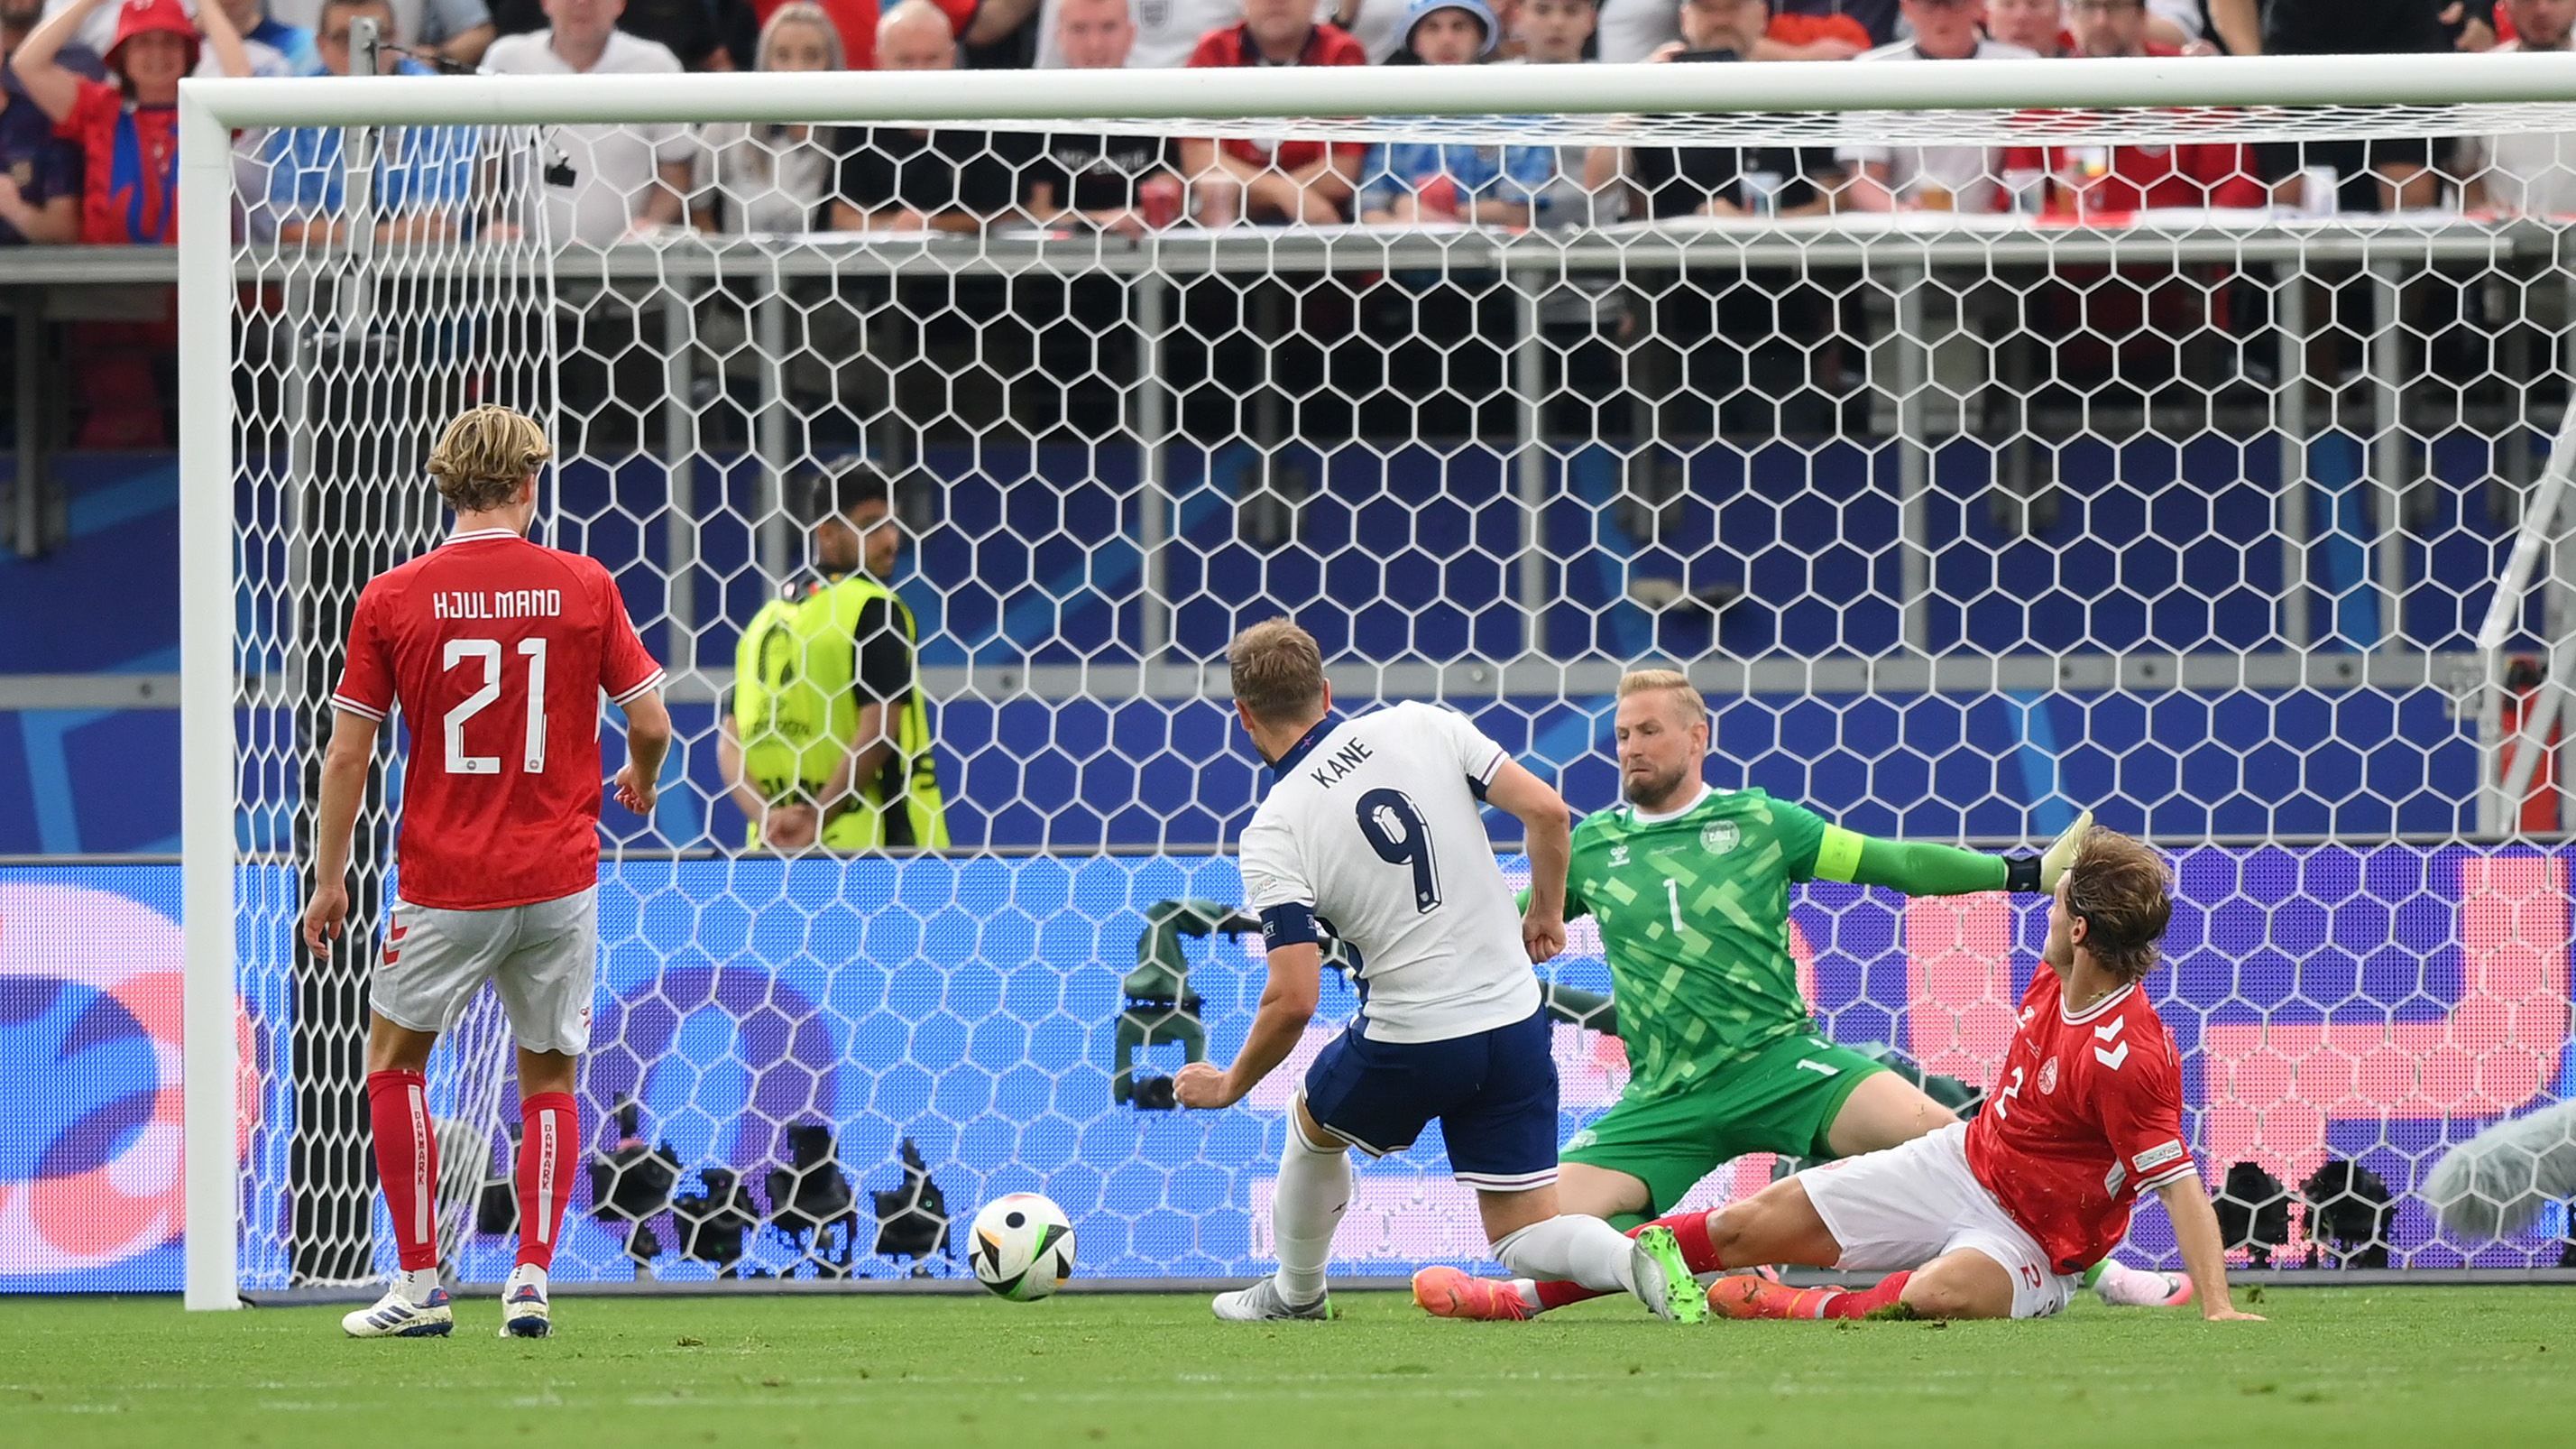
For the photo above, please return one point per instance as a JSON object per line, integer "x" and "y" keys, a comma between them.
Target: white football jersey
{"x": 1373, "y": 829}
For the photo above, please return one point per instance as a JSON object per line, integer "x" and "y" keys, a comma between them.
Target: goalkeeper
{"x": 1690, "y": 887}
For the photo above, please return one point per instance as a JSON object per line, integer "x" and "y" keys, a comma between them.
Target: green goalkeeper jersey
{"x": 1694, "y": 917}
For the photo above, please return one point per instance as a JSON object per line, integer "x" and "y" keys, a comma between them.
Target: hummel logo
{"x": 2110, "y": 1030}
{"x": 2112, "y": 1058}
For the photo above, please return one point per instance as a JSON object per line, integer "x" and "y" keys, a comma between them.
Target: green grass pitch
{"x": 2492, "y": 1367}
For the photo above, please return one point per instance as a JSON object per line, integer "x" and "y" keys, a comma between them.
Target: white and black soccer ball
{"x": 1023, "y": 1247}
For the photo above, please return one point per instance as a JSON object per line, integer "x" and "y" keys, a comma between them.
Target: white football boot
{"x": 524, "y": 1313}
{"x": 1261, "y": 1303}
{"x": 396, "y": 1315}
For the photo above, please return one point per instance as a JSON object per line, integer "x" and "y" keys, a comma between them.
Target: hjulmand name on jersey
{"x": 1337, "y": 766}
{"x": 507, "y": 604}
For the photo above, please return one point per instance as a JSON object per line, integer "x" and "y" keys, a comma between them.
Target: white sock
{"x": 416, "y": 1284}
{"x": 1314, "y": 1190}
{"x": 1570, "y": 1248}
{"x": 524, "y": 1273}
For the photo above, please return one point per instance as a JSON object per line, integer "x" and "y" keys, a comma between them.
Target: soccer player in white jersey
{"x": 498, "y": 651}
{"x": 1371, "y": 829}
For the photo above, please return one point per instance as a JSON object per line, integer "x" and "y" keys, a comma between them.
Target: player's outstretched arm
{"x": 1923, "y": 868}
{"x": 648, "y": 739}
{"x": 1287, "y": 1004}
{"x": 344, "y": 780}
{"x": 2204, "y": 1253}
{"x": 1547, "y": 833}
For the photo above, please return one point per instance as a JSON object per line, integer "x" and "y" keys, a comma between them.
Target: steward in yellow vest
{"x": 828, "y": 742}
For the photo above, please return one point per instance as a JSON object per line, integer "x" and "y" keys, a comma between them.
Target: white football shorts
{"x": 1910, "y": 1204}
{"x": 542, "y": 958}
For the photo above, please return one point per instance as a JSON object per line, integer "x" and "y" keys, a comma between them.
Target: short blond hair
{"x": 484, "y": 455}
{"x": 2123, "y": 892}
{"x": 1278, "y": 671}
{"x": 1668, "y": 681}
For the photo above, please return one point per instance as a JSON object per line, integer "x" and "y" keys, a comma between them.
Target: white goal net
{"x": 2160, "y": 453}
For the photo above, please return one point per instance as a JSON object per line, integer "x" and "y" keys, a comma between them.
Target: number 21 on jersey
{"x": 487, "y": 652}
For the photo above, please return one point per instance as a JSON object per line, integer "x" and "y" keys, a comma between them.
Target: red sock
{"x": 406, "y": 1162}
{"x": 1690, "y": 1230}
{"x": 1866, "y": 1301}
{"x": 549, "y": 1128}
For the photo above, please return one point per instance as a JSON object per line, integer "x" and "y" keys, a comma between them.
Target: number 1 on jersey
{"x": 1673, "y": 895}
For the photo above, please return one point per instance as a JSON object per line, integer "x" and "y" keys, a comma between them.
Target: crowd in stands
{"x": 87, "y": 149}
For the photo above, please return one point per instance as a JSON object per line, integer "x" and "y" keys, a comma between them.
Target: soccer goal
{"x": 2131, "y": 465}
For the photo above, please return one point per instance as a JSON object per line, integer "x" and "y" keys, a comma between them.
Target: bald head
{"x": 915, "y": 36}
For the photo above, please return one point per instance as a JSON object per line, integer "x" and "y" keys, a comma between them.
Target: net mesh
{"x": 2106, "y": 475}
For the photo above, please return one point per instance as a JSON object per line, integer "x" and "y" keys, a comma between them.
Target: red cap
{"x": 138, "y": 16}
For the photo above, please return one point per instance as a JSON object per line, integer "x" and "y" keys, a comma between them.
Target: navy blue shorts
{"x": 1494, "y": 1094}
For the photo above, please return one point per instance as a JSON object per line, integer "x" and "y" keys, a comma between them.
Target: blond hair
{"x": 1278, "y": 671}
{"x": 485, "y": 455}
{"x": 2123, "y": 892}
{"x": 800, "y": 12}
{"x": 1669, "y": 681}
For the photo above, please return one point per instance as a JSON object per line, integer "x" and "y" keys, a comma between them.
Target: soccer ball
{"x": 1023, "y": 1247}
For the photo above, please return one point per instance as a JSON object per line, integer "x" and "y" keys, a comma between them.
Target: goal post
{"x": 2260, "y": 615}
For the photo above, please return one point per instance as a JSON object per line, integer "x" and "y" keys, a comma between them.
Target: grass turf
{"x": 2348, "y": 1367}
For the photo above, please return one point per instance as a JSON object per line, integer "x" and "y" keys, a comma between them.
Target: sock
{"x": 549, "y": 1130}
{"x": 407, "y": 1163}
{"x": 416, "y": 1284}
{"x": 1587, "y": 1250}
{"x": 1690, "y": 1229}
{"x": 1866, "y": 1301}
{"x": 1314, "y": 1190}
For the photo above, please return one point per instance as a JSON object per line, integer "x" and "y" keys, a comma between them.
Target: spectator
{"x": 1277, "y": 181}
{"x": 422, "y": 184}
{"x": 1720, "y": 355}
{"x": 39, "y": 170}
{"x": 686, "y": 28}
{"x": 127, "y": 131}
{"x": 1166, "y": 32}
{"x": 896, "y": 178}
{"x": 1380, "y": 25}
{"x": 1929, "y": 178}
{"x": 1103, "y": 181}
{"x": 1557, "y": 32}
{"x": 986, "y": 25}
{"x": 454, "y": 30}
{"x": 766, "y": 177}
{"x": 2038, "y": 26}
{"x": 292, "y": 42}
{"x": 2531, "y": 174}
{"x": 2138, "y": 178}
{"x": 828, "y": 741}
{"x": 2387, "y": 174}
{"x": 1633, "y": 30}
{"x": 1429, "y": 181}
{"x": 602, "y": 184}
{"x": 1715, "y": 180}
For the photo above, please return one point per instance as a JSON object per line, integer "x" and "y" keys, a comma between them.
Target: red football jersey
{"x": 497, "y": 650}
{"x": 1325, "y": 45}
{"x": 2086, "y": 1115}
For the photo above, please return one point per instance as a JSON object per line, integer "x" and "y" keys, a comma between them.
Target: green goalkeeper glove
{"x": 2042, "y": 872}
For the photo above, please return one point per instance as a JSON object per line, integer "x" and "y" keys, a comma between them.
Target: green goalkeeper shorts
{"x": 1783, "y": 1099}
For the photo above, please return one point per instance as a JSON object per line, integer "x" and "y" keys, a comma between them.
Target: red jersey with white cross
{"x": 497, "y": 650}
{"x": 2086, "y": 1114}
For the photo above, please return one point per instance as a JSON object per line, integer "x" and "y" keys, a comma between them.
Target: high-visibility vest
{"x": 796, "y": 710}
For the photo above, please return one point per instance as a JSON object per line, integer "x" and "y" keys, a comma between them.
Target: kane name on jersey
{"x": 1373, "y": 830}
{"x": 496, "y": 650}
{"x": 2086, "y": 1115}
